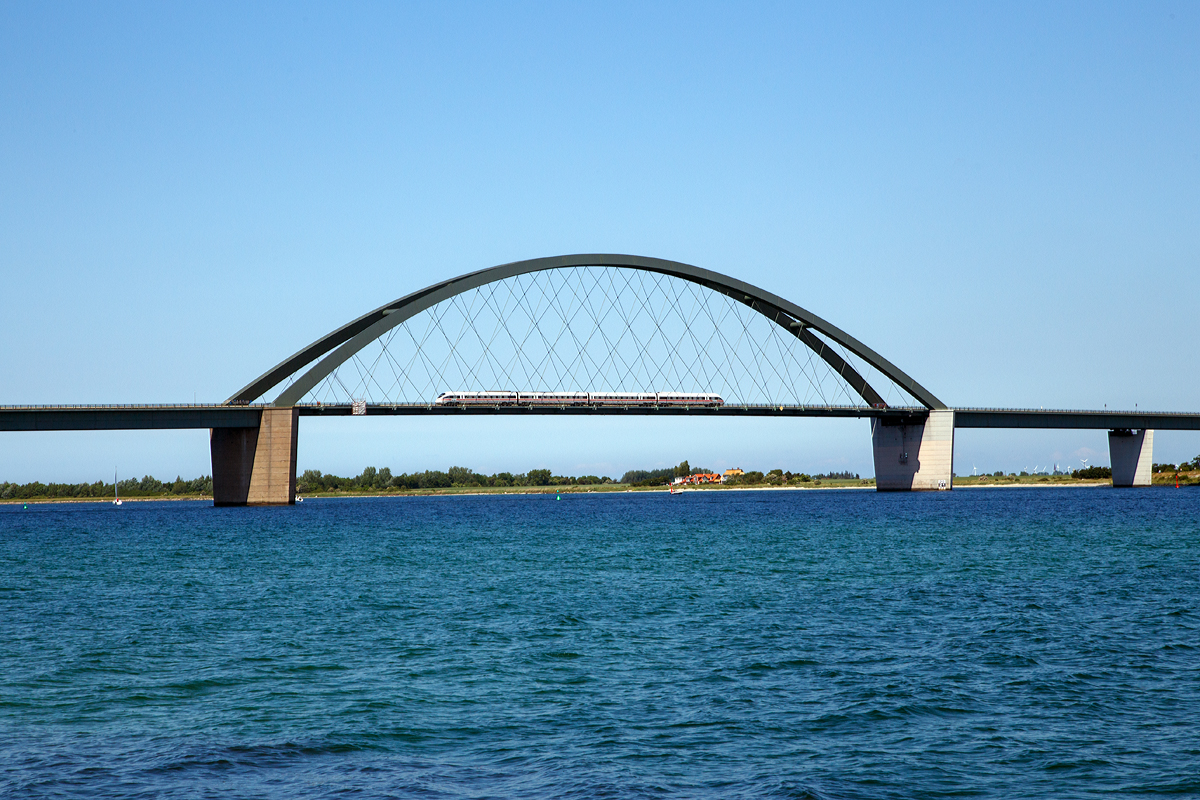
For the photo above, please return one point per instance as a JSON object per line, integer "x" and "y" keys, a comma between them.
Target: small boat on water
{"x": 116, "y": 490}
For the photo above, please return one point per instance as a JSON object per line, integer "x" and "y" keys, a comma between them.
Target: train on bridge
{"x": 690, "y": 399}
{"x": 253, "y": 440}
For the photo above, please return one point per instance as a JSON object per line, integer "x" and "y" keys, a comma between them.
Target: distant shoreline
{"x": 694, "y": 489}
{"x": 167, "y": 498}
{"x": 529, "y": 490}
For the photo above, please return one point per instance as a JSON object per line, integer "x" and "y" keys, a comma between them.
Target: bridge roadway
{"x": 254, "y": 446}
{"x": 201, "y": 415}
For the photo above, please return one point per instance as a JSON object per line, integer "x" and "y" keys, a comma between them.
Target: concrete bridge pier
{"x": 1131, "y": 454}
{"x": 914, "y": 458}
{"x": 256, "y": 466}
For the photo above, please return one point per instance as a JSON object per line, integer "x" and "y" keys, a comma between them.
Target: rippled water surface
{"x": 996, "y": 643}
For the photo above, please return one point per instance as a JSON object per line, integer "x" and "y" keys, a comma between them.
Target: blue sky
{"x": 1004, "y": 200}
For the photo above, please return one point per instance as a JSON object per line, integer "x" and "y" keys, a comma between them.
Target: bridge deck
{"x": 907, "y": 414}
{"x": 127, "y": 417}
{"x": 167, "y": 417}
{"x": 1061, "y": 418}
{"x": 135, "y": 417}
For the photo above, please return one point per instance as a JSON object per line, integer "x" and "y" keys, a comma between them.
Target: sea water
{"x": 832, "y": 644}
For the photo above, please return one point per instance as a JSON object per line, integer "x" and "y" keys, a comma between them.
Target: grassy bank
{"x": 1028, "y": 480}
{"x": 1191, "y": 478}
{"x": 1158, "y": 479}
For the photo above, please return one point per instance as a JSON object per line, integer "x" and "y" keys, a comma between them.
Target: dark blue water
{"x": 992, "y": 643}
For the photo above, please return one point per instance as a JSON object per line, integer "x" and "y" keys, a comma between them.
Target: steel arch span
{"x": 592, "y": 334}
{"x": 591, "y": 322}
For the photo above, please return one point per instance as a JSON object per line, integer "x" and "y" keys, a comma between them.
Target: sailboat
{"x": 116, "y": 490}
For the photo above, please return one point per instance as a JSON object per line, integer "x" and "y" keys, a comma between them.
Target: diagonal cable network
{"x": 596, "y": 329}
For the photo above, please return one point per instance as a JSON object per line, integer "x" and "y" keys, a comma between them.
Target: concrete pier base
{"x": 914, "y": 458}
{"x": 1131, "y": 454}
{"x": 256, "y": 466}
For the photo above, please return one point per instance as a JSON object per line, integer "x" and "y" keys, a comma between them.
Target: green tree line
{"x": 373, "y": 479}
{"x": 661, "y": 477}
{"x": 778, "y": 477}
{"x": 1182, "y": 466}
{"x": 148, "y": 486}
{"x": 1091, "y": 473}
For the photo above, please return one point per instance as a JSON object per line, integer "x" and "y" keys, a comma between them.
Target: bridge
{"x": 603, "y": 329}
